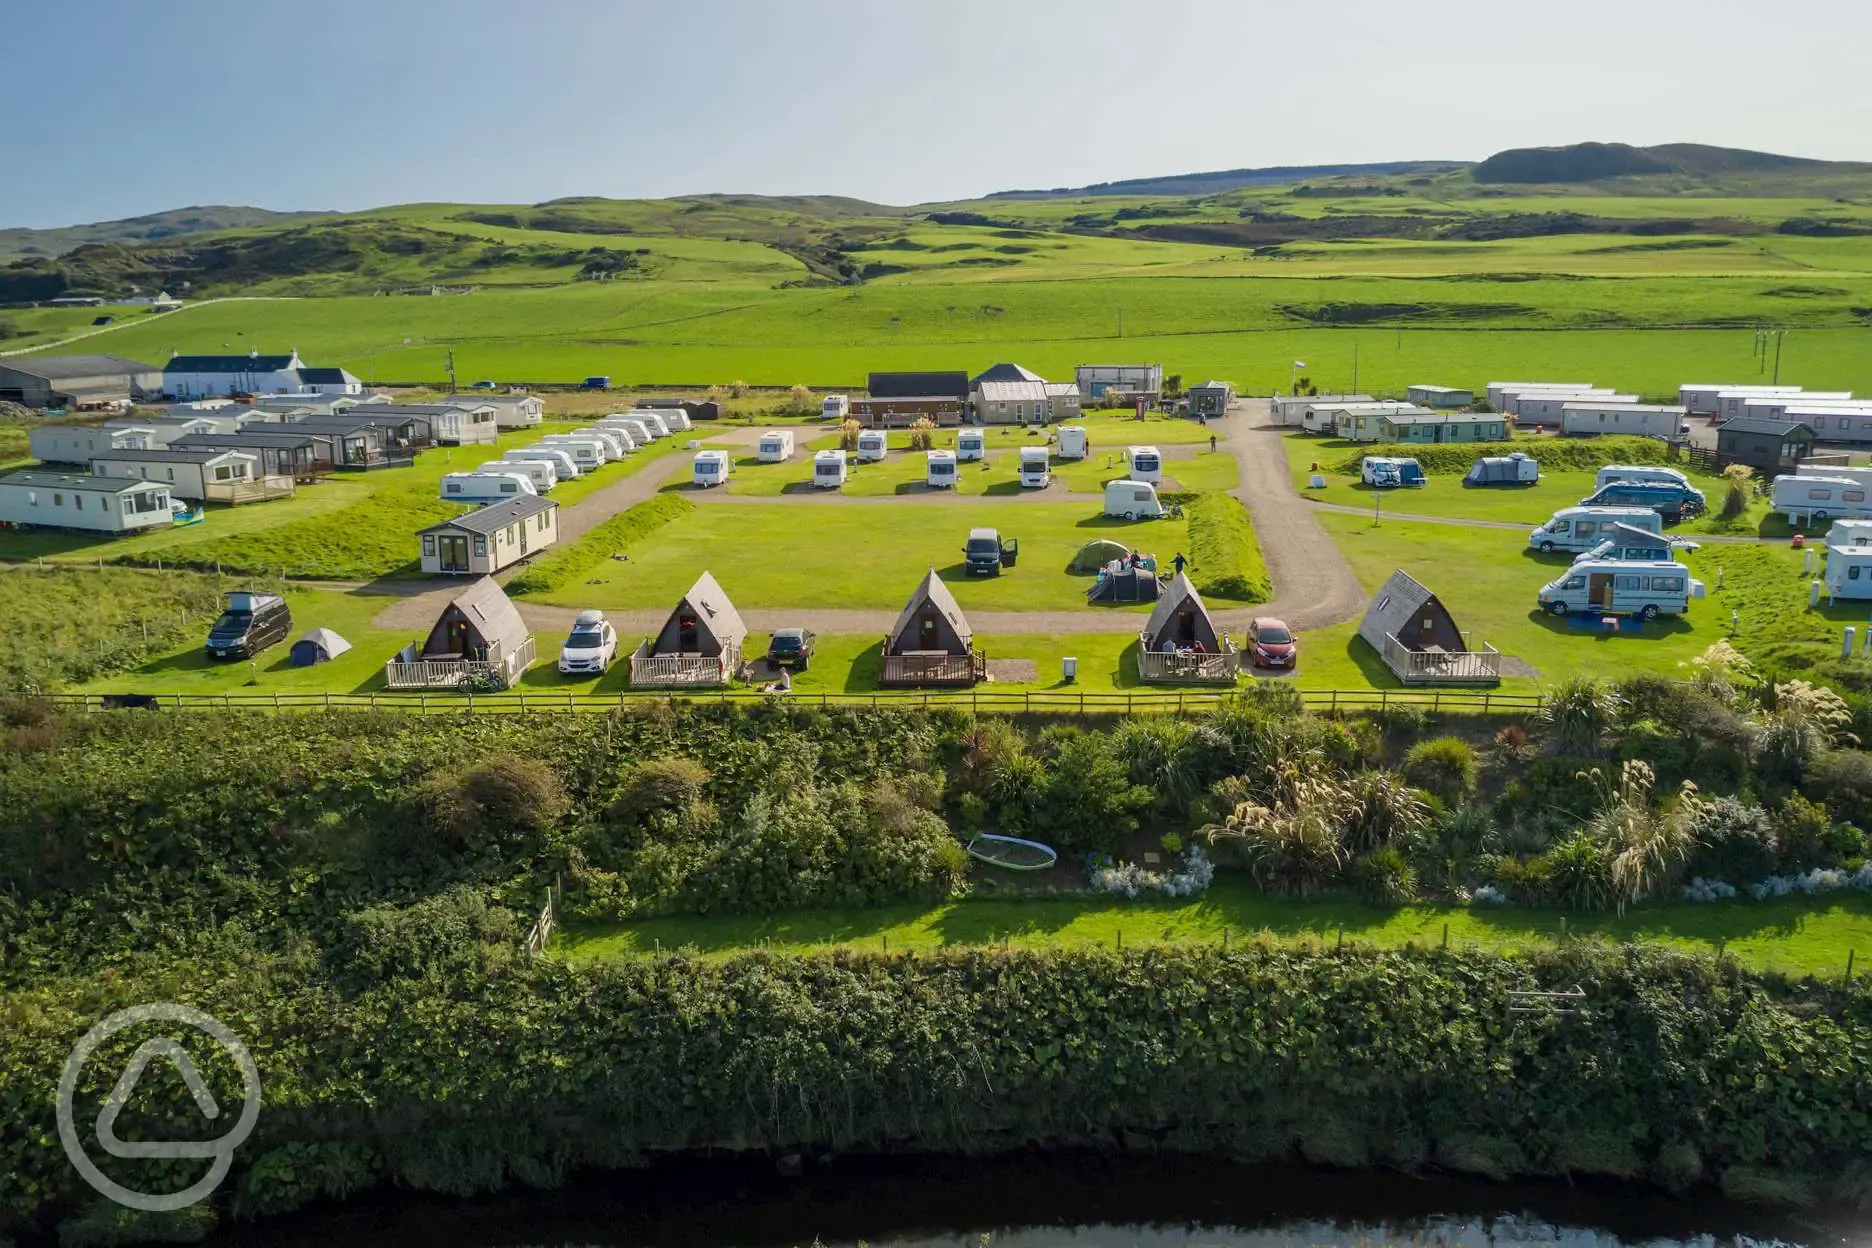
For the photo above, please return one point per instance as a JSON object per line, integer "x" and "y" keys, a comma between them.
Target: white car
{"x": 591, "y": 647}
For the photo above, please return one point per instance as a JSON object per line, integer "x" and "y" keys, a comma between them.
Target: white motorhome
{"x": 1639, "y": 472}
{"x": 1806, "y": 500}
{"x": 485, "y": 487}
{"x": 542, "y": 474}
{"x": 873, "y": 444}
{"x": 1613, "y": 587}
{"x": 775, "y": 447}
{"x": 1132, "y": 500}
{"x": 1073, "y": 443}
{"x": 971, "y": 444}
{"x": 1582, "y": 528}
{"x": 563, "y": 464}
{"x": 828, "y": 470}
{"x": 939, "y": 472}
{"x": 1035, "y": 472}
{"x": 1143, "y": 463}
{"x": 587, "y": 452}
{"x": 711, "y": 468}
{"x": 835, "y": 407}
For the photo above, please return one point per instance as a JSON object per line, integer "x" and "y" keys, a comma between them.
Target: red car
{"x": 1271, "y": 643}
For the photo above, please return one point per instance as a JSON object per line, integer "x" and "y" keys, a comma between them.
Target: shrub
{"x": 659, "y": 784}
{"x": 1401, "y": 723}
{"x": 1579, "y": 714}
{"x": 1445, "y": 767}
{"x": 922, "y": 433}
{"x": 506, "y": 800}
{"x": 1805, "y": 836}
{"x": 1646, "y": 845}
{"x": 800, "y": 400}
{"x": 1843, "y": 779}
{"x": 1735, "y": 842}
{"x": 1384, "y": 877}
{"x": 1292, "y": 843}
{"x": 1087, "y": 801}
{"x": 1738, "y": 490}
{"x": 1165, "y": 755}
{"x": 1804, "y": 722}
{"x": 444, "y": 934}
{"x": 1578, "y": 874}
{"x": 1380, "y": 810}
{"x": 848, "y": 434}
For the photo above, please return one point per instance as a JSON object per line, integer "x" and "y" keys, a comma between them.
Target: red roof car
{"x": 1271, "y": 643}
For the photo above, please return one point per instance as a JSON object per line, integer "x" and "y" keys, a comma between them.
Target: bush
{"x": 440, "y": 935}
{"x": 1738, "y": 490}
{"x": 1843, "y": 779}
{"x": 563, "y": 567}
{"x": 1805, "y": 836}
{"x": 1380, "y": 810}
{"x": 1735, "y": 842}
{"x": 1445, "y": 767}
{"x": 922, "y": 433}
{"x": 507, "y": 800}
{"x": 1384, "y": 877}
{"x": 659, "y": 784}
{"x": 1087, "y": 800}
{"x": 848, "y": 434}
{"x": 1578, "y": 873}
{"x": 1579, "y": 714}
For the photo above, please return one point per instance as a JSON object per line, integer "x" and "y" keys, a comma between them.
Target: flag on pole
{"x": 1299, "y": 363}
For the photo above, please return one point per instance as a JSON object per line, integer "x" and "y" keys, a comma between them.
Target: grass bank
{"x": 1222, "y": 543}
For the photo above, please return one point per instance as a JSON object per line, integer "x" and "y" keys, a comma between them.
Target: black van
{"x": 250, "y": 624}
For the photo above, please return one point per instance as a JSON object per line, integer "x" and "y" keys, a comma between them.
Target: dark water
{"x": 1048, "y": 1201}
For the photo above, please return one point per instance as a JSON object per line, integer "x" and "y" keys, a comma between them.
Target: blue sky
{"x": 137, "y": 106}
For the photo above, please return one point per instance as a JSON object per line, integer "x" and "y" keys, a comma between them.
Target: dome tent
{"x": 1096, "y": 554}
{"x": 320, "y": 645}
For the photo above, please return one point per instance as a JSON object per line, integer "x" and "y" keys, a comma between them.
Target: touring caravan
{"x": 940, "y": 470}
{"x": 775, "y": 447}
{"x": 835, "y": 407}
{"x": 627, "y": 432}
{"x": 872, "y": 446}
{"x": 1639, "y": 472}
{"x": 1132, "y": 500}
{"x": 1582, "y": 528}
{"x": 828, "y": 470}
{"x": 1850, "y": 533}
{"x": 1611, "y": 587}
{"x": 1816, "y": 499}
{"x": 1143, "y": 463}
{"x": 1073, "y": 443}
{"x": 1848, "y": 572}
{"x": 971, "y": 444}
{"x": 1388, "y": 472}
{"x": 1035, "y": 474}
{"x": 676, "y": 419}
{"x": 1667, "y": 498}
{"x": 484, "y": 487}
{"x": 538, "y": 471}
{"x": 1514, "y": 468}
{"x": 652, "y": 421}
{"x": 711, "y": 468}
{"x": 1862, "y": 475}
{"x": 587, "y": 453}
{"x": 617, "y": 442}
{"x": 563, "y": 464}
{"x": 639, "y": 430}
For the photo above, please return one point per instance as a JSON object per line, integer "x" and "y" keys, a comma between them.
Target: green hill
{"x": 175, "y": 223}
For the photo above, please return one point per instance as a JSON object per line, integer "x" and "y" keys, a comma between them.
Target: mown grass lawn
{"x": 1792, "y": 935}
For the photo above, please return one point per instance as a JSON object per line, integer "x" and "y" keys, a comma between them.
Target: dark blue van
{"x": 1669, "y": 500}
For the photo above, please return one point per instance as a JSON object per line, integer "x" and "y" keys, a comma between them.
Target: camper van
{"x": 1667, "y": 498}
{"x": 1817, "y": 499}
{"x": 1612, "y": 587}
{"x": 939, "y": 472}
{"x": 1582, "y": 528}
{"x": 1388, "y": 472}
{"x": 1143, "y": 463}
{"x": 971, "y": 444}
{"x": 538, "y": 471}
{"x": 484, "y": 487}
{"x": 250, "y": 623}
{"x": 872, "y": 446}
{"x": 587, "y": 452}
{"x": 564, "y": 466}
{"x": 1073, "y": 443}
{"x": 1132, "y": 500}
{"x": 1034, "y": 471}
{"x": 828, "y": 470}
{"x": 1514, "y": 468}
{"x": 711, "y": 468}
{"x": 1639, "y": 472}
{"x": 835, "y": 407}
{"x": 775, "y": 447}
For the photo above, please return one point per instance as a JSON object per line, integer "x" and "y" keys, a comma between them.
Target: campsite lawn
{"x": 1796, "y": 935}
{"x": 904, "y": 472}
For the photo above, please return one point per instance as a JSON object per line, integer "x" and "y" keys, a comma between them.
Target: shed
{"x": 931, "y": 643}
{"x": 1415, "y": 635}
{"x": 320, "y": 645}
{"x": 700, "y": 643}
{"x": 77, "y": 381}
{"x": 1180, "y": 643}
{"x": 1773, "y": 446}
{"x": 1211, "y": 398}
{"x": 478, "y": 636}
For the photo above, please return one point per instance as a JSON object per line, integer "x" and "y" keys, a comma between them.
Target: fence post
{"x": 1850, "y": 954}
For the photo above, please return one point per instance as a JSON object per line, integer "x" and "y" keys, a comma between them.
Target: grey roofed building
{"x": 230, "y": 363}
{"x": 704, "y": 616}
{"x": 61, "y": 367}
{"x": 1014, "y": 391}
{"x": 277, "y": 436}
{"x": 489, "y": 612}
{"x": 76, "y": 380}
{"x": 82, "y": 482}
{"x": 326, "y": 377}
{"x": 932, "y": 602}
{"x": 1761, "y": 425}
{"x": 496, "y": 516}
{"x": 174, "y": 455}
{"x": 1005, "y": 372}
{"x": 1413, "y": 633}
{"x": 918, "y": 385}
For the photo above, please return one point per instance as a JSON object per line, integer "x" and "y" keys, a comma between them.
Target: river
{"x": 1047, "y": 1201}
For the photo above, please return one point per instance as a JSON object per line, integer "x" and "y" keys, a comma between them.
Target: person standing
{"x": 1179, "y": 561}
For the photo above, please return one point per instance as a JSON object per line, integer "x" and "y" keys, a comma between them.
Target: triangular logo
{"x": 126, "y": 1085}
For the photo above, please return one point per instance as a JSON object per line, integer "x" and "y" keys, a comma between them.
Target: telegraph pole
{"x": 1779, "y": 335}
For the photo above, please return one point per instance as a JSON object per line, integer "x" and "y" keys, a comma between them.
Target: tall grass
{"x": 61, "y": 626}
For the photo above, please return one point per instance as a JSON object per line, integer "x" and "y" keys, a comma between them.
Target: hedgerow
{"x": 1227, "y": 559}
{"x": 1553, "y": 453}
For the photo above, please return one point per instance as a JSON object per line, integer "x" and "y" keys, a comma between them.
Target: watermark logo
{"x": 222, "y": 1150}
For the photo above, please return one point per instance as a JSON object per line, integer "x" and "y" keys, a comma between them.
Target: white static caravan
{"x": 828, "y": 470}
{"x": 1590, "y": 418}
{"x": 835, "y": 407}
{"x": 1808, "y": 500}
{"x": 485, "y": 487}
{"x": 587, "y": 453}
{"x": 1501, "y": 393}
{"x": 971, "y": 444}
{"x": 775, "y": 447}
{"x": 564, "y": 466}
{"x": 1835, "y": 422}
{"x": 1290, "y": 409}
{"x": 873, "y": 444}
{"x": 1613, "y": 587}
{"x": 939, "y": 470}
{"x": 1132, "y": 500}
{"x": 1639, "y": 472}
{"x": 1582, "y": 528}
{"x": 1775, "y": 406}
{"x": 711, "y": 468}
{"x": 196, "y": 476}
{"x": 1035, "y": 471}
{"x": 542, "y": 474}
{"x": 1547, "y": 408}
{"x": 1073, "y": 443}
{"x": 1700, "y": 397}
{"x": 1144, "y": 463}
{"x": 76, "y": 444}
{"x": 1729, "y": 403}
{"x": 1848, "y": 571}
{"x": 70, "y": 500}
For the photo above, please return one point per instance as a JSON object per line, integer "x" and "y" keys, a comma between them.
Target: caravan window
{"x": 1628, "y": 582}
{"x": 1852, "y": 573}
{"x": 1852, "y": 496}
{"x": 1667, "y": 584}
{"x": 1822, "y": 495}
{"x": 1819, "y": 422}
{"x": 480, "y": 545}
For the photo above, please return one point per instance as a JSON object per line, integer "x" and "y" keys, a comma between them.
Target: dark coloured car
{"x": 1271, "y": 643}
{"x": 250, "y": 624}
{"x": 791, "y": 647}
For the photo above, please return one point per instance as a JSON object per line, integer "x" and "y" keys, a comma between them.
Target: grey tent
{"x": 704, "y": 623}
{"x": 1415, "y": 635}
{"x": 1181, "y": 619}
{"x": 1132, "y": 584}
{"x": 1512, "y": 469}
{"x": 319, "y": 645}
{"x": 1096, "y": 554}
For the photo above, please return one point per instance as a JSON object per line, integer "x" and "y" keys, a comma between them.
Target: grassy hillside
{"x": 175, "y": 223}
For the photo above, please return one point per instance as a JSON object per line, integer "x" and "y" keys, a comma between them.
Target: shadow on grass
{"x": 1589, "y": 623}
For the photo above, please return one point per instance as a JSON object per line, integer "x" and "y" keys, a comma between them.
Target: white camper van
{"x": 776, "y": 446}
{"x": 1612, "y": 587}
{"x": 835, "y": 407}
{"x": 484, "y": 487}
{"x": 939, "y": 471}
{"x": 588, "y": 452}
{"x": 563, "y": 464}
{"x": 1143, "y": 463}
{"x": 538, "y": 471}
{"x": 1639, "y": 472}
{"x": 1582, "y": 528}
{"x": 872, "y": 446}
{"x": 828, "y": 470}
{"x": 1073, "y": 443}
{"x": 971, "y": 444}
{"x": 1035, "y": 473}
{"x": 711, "y": 468}
{"x": 1132, "y": 500}
{"x": 1816, "y": 499}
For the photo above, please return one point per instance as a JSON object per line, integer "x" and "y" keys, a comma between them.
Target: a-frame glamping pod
{"x": 478, "y": 636}
{"x": 932, "y": 643}
{"x": 700, "y": 643}
{"x": 1414, "y": 634}
{"x": 1181, "y": 645}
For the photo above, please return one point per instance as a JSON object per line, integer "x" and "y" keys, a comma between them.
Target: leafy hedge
{"x": 1227, "y": 558}
{"x": 572, "y": 564}
{"x": 1553, "y": 453}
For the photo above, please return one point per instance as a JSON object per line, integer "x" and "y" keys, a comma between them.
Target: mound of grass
{"x": 571, "y": 564}
{"x": 373, "y": 538}
{"x": 68, "y": 625}
{"x": 1227, "y": 558}
{"x": 1553, "y": 453}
